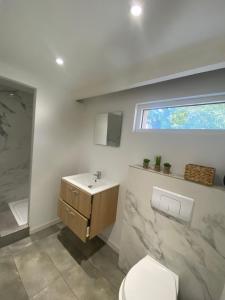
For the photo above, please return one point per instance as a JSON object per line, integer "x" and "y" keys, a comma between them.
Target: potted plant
{"x": 146, "y": 162}
{"x": 158, "y": 163}
{"x": 167, "y": 167}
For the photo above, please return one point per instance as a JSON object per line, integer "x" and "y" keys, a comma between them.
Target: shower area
{"x": 16, "y": 123}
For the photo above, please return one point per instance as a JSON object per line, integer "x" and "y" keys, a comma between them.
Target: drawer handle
{"x": 75, "y": 192}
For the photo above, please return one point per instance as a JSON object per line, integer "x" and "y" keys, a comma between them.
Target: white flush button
{"x": 172, "y": 204}
{"x": 164, "y": 203}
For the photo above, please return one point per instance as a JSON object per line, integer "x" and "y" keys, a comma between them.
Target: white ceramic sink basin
{"x": 89, "y": 183}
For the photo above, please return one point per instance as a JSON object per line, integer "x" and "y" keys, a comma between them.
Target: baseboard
{"x": 111, "y": 244}
{"x": 14, "y": 237}
{"x": 44, "y": 226}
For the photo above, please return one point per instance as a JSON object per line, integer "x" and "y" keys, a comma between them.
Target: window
{"x": 204, "y": 112}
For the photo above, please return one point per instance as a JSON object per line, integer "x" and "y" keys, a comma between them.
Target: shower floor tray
{"x": 20, "y": 211}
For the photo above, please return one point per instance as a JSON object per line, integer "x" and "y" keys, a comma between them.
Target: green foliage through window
{"x": 201, "y": 116}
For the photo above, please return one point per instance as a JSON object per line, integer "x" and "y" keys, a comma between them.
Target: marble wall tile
{"x": 195, "y": 253}
{"x": 15, "y": 145}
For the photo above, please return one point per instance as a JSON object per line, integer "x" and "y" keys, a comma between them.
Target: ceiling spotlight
{"x": 59, "y": 61}
{"x": 11, "y": 94}
{"x": 136, "y": 10}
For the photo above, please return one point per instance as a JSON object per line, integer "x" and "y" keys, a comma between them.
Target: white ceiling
{"x": 104, "y": 48}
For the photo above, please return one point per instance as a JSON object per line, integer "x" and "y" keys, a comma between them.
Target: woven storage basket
{"x": 200, "y": 174}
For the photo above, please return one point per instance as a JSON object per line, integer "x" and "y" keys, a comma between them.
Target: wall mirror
{"x": 108, "y": 129}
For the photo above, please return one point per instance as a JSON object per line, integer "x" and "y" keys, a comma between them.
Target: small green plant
{"x": 146, "y": 162}
{"x": 158, "y": 163}
{"x": 167, "y": 165}
{"x": 158, "y": 160}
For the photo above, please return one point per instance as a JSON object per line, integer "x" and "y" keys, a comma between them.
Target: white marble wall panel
{"x": 15, "y": 145}
{"x": 195, "y": 251}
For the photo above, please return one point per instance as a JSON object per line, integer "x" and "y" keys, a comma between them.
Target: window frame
{"x": 214, "y": 98}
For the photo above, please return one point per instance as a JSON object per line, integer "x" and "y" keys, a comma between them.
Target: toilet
{"x": 149, "y": 280}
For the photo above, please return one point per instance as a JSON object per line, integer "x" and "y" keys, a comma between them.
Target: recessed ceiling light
{"x": 136, "y": 10}
{"x": 11, "y": 94}
{"x": 59, "y": 61}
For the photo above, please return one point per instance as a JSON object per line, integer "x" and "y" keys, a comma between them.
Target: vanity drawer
{"x": 74, "y": 220}
{"x": 76, "y": 198}
{"x": 63, "y": 212}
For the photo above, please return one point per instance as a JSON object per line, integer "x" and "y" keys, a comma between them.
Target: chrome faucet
{"x": 98, "y": 174}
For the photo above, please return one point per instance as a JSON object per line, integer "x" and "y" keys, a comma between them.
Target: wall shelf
{"x": 176, "y": 176}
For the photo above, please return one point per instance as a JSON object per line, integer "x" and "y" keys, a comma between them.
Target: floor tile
{"x": 44, "y": 233}
{"x": 4, "y": 251}
{"x": 104, "y": 260}
{"x": 36, "y": 269}
{"x": 8, "y": 270}
{"x": 55, "y": 264}
{"x": 20, "y": 245}
{"x": 110, "y": 254}
{"x": 90, "y": 269}
{"x": 86, "y": 287}
{"x": 78, "y": 249}
{"x": 57, "y": 252}
{"x": 58, "y": 290}
{"x": 11, "y": 286}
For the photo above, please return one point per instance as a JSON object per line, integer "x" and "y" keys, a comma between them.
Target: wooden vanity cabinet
{"x": 87, "y": 215}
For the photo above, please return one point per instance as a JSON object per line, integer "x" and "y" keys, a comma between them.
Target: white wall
{"x": 177, "y": 148}
{"x": 54, "y": 149}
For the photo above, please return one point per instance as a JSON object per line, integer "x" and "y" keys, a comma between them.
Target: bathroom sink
{"x": 89, "y": 183}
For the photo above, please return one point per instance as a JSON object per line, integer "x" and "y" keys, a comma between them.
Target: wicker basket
{"x": 200, "y": 174}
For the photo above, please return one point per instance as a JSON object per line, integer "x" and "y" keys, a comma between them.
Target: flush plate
{"x": 172, "y": 204}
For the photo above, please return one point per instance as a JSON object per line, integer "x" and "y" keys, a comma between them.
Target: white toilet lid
{"x": 149, "y": 280}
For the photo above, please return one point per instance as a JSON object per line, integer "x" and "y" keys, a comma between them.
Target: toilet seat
{"x": 147, "y": 280}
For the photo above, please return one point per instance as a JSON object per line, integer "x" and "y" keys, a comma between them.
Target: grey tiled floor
{"x": 55, "y": 265}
